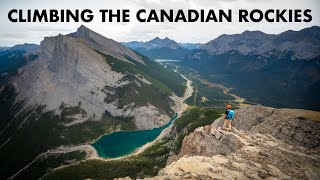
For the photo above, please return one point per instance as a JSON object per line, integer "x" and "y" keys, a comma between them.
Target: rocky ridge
{"x": 256, "y": 149}
{"x": 303, "y": 44}
{"x": 105, "y": 45}
{"x": 155, "y": 43}
{"x": 158, "y": 48}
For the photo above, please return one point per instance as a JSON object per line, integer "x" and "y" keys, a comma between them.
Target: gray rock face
{"x": 105, "y": 45}
{"x": 294, "y": 126}
{"x": 245, "y": 43}
{"x": 257, "y": 153}
{"x": 70, "y": 71}
{"x": 260, "y": 157}
{"x": 210, "y": 141}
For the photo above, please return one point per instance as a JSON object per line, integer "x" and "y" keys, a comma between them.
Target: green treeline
{"x": 146, "y": 164}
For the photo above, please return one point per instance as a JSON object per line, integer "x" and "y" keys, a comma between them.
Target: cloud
{"x": 49, "y": 28}
{"x": 12, "y": 33}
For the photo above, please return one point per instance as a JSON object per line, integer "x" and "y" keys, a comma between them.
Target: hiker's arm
{"x": 225, "y": 115}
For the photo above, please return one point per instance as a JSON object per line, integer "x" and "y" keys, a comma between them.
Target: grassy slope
{"x": 149, "y": 162}
{"x": 162, "y": 78}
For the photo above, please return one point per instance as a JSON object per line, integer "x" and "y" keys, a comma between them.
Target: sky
{"x": 198, "y": 32}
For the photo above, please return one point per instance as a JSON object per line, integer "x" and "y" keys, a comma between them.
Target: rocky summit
{"x": 266, "y": 143}
{"x": 72, "y": 71}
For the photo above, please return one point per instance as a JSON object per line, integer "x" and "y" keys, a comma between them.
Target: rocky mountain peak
{"x": 73, "y": 70}
{"x": 156, "y": 41}
{"x": 159, "y": 48}
{"x": 166, "y": 42}
{"x": 83, "y": 31}
{"x": 105, "y": 45}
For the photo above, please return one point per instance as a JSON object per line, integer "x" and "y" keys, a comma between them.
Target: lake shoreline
{"x": 123, "y": 143}
{"x": 180, "y": 110}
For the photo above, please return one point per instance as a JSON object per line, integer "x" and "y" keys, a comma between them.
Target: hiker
{"x": 228, "y": 118}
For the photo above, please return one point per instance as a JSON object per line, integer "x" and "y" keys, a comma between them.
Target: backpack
{"x": 230, "y": 114}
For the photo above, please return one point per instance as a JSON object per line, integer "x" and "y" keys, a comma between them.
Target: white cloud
{"x": 13, "y": 33}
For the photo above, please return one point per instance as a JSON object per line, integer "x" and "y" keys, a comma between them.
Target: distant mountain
{"x": 11, "y": 59}
{"x": 159, "y": 48}
{"x": 191, "y": 46}
{"x": 77, "y": 88}
{"x": 21, "y": 48}
{"x": 25, "y": 47}
{"x": 304, "y": 44}
{"x": 3, "y": 48}
{"x": 276, "y": 70}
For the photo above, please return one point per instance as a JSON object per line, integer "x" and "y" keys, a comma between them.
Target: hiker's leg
{"x": 224, "y": 124}
{"x": 229, "y": 124}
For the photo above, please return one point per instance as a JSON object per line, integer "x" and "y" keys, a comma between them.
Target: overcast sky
{"x": 17, "y": 33}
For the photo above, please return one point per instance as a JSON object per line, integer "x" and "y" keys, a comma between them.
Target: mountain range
{"x": 275, "y": 70}
{"x": 252, "y": 63}
{"x": 303, "y": 44}
{"x": 11, "y": 58}
{"x": 159, "y": 48}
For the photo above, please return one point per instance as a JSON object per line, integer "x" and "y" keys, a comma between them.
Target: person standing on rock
{"x": 228, "y": 118}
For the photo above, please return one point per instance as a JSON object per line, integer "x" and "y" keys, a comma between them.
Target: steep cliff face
{"x": 258, "y": 150}
{"x": 76, "y": 71}
{"x": 67, "y": 71}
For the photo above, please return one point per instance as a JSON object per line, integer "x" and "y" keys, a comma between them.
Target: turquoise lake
{"x": 122, "y": 143}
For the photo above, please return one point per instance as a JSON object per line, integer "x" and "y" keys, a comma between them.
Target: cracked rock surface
{"x": 262, "y": 146}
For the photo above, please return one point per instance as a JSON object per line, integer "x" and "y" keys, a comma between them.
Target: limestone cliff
{"x": 72, "y": 71}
